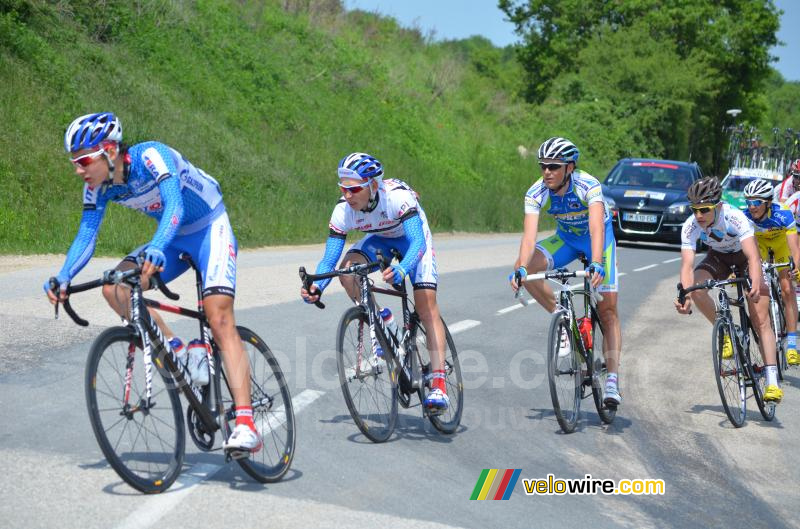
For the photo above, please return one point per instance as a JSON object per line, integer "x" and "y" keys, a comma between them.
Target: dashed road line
{"x": 153, "y": 508}
{"x": 672, "y": 260}
{"x": 463, "y": 325}
{"x": 645, "y": 268}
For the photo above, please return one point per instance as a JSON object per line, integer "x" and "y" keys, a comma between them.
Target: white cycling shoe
{"x": 243, "y": 440}
{"x": 563, "y": 347}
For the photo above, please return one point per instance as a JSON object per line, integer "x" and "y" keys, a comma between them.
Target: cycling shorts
{"x": 562, "y": 248}
{"x": 424, "y": 275}
{"x": 779, "y": 246}
{"x": 721, "y": 265}
{"x": 213, "y": 250}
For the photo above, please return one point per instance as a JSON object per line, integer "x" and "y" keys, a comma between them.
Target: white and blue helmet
{"x": 360, "y": 165}
{"x": 559, "y": 149}
{"x": 91, "y": 130}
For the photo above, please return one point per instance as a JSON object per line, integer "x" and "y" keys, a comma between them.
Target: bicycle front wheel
{"x": 563, "y": 372}
{"x": 757, "y": 377}
{"x": 729, "y": 374}
{"x": 142, "y": 441}
{"x": 448, "y": 420}
{"x": 273, "y": 414}
{"x": 369, "y": 382}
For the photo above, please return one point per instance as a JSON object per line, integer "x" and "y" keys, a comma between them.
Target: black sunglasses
{"x": 551, "y": 166}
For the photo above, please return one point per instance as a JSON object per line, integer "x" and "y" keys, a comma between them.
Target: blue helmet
{"x": 559, "y": 149}
{"x": 360, "y": 165}
{"x": 91, "y": 130}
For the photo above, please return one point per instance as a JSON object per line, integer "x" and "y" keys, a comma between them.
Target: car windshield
{"x": 659, "y": 175}
{"x": 737, "y": 183}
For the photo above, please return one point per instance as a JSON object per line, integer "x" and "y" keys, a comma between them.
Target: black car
{"x": 648, "y": 198}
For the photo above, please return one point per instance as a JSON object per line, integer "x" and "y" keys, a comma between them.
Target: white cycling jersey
{"x": 783, "y": 191}
{"x": 396, "y": 200}
{"x": 725, "y": 235}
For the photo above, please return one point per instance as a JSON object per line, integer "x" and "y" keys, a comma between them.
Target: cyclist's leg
{"x": 549, "y": 253}
{"x": 118, "y": 296}
{"x": 607, "y": 309}
{"x": 364, "y": 251}
{"x": 215, "y": 257}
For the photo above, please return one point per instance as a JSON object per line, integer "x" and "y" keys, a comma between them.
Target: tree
{"x": 728, "y": 39}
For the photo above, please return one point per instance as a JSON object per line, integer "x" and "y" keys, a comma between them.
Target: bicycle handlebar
{"x": 359, "y": 268}
{"x": 708, "y": 284}
{"x": 110, "y": 277}
{"x": 561, "y": 274}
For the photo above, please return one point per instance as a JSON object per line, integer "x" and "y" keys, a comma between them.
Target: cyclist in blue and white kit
{"x": 583, "y": 226}
{"x": 388, "y": 210}
{"x": 187, "y": 204}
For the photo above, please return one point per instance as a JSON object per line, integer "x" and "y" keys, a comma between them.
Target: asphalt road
{"x": 671, "y": 425}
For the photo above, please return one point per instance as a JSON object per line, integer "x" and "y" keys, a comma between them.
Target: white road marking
{"x": 513, "y": 307}
{"x": 463, "y": 325}
{"x": 620, "y": 274}
{"x": 645, "y": 268}
{"x": 153, "y": 508}
{"x": 672, "y": 260}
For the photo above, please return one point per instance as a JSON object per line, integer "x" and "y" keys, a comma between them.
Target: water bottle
{"x": 585, "y": 326}
{"x": 389, "y": 323}
{"x": 179, "y": 349}
{"x": 197, "y": 353}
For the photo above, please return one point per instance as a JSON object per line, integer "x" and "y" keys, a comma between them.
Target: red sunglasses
{"x": 354, "y": 190}
{"x": 87, "y": 159}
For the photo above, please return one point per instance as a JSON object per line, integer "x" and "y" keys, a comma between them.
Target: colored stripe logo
{"x": 496, "y": 484}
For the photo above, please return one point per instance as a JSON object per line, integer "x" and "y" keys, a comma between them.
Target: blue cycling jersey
{"x": 572, "y": 209}
{"x": 160, "y": 183}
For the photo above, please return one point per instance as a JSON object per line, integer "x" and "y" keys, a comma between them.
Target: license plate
{"x": 640, "y": 217}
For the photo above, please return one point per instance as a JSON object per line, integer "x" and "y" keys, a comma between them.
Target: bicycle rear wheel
{"x": 757, "y": 376}
{"x": 273, "y": 413}
{"x": 564, "y": 374}
{"x": 449, "y": 419}
{"x": 369, "y": 383}
{"x": 778, "y": 321}
{"x": 729, "y": 374}
{"x": 142, "y": 441}
{"x": 600, "y": 375}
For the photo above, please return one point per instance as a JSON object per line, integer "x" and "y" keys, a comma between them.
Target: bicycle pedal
{"x": 237, "y": 454}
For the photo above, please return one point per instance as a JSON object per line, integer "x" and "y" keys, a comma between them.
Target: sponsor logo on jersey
{"x": 155, "y": 163}
{"x": 230, "y": 267}
{"x": 174, "y": 220}
{"x": 155, "y": 206}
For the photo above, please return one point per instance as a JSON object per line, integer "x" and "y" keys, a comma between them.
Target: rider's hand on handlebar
{"x": 598, "y": 273}
{"x": 754, "y": 294}
{"x": 310, "y": 297}
{"x": 394, "y": 274}
{"x": 686, "y": 308}
{"x": 154, "y": 261}
{"x": 518, "y": 277}
{"x": 61, "y": 284}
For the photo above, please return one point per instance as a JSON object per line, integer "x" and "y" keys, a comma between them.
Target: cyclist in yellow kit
{"x": 775, "y": 230}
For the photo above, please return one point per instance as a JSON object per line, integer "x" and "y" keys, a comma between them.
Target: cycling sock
{"x": 612, "y": 379}
{"x": 791, "y": 340}
{"x": 244, "y": 415}
{"x": 772, "y": 375}
{"x": 438, "y": 380}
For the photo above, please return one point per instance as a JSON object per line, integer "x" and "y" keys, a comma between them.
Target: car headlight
{"x": 611, "y": 203}
{"x": 680, "y": 208}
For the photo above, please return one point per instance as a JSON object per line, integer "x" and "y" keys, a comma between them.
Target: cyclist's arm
{"x": 750, "y": 250}
{"x": 172, "y": 201}
{"x": 597, "y": 230}
{"x": 82, "y": 247}
{"x": 794, "y": 246}
{"x": 412, "y": 227}
{"x": 687, "y": 267}
{"x": 333, "y": 250}
{"x": 528, "y": 242}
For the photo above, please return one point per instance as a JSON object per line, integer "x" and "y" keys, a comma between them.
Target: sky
{"x": 455, "y": 19}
